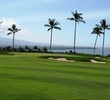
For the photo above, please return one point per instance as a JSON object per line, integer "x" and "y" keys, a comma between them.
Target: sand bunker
{"x": 94, "y": 61}
{"x": 61, "y": 59}
{"x": 64, "y": 59}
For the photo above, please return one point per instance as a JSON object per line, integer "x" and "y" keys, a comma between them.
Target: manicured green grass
{"x": 31, "y": 76}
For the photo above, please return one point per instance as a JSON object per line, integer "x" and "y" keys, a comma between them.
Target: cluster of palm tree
{"x": 98, "y": 30}
{"x": 53, "y": 24}
{"x": 76, "y": 17}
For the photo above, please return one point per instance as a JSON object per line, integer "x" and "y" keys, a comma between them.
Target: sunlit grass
{"x": 31, "y": 76}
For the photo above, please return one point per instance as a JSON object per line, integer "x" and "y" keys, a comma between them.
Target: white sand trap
{"x": 98, "y": 57}
{"x": 61, "y": 59}
{"x": 94, "y": 61}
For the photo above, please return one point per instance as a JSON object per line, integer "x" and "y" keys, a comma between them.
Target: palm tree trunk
{"x": 103, "y": 43}
{"x": 50, "y": 40}
{"x": 74, "y": 38}
{"x": 95, "y": 44}
{"x": 13, "y": 42}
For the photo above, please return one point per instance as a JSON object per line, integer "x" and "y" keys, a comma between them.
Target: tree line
{"x": 76, "y": 17}
{"x": 26, "y": 48}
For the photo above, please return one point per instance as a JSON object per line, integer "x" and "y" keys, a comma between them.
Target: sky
{"x": 31, "y": 15}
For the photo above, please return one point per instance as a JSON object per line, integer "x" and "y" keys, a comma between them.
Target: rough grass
{"x": 27, "y": 76}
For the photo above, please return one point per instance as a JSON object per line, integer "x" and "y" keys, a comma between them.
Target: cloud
{"x": 25, "y": 32}
{"x": 6, "y": 23}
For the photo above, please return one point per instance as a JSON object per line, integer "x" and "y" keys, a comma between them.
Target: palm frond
{"x": 13, "y": 29}
{"x": 14, "y": 26}
{"x": 70, "y": 19}
{"x": 57, "y": 28}
{"x": 49, "y": 19}
{"x": 108, "y": 28}
{"x": 52, "y": 24}
{"x": 47, "y": 25}
{"x": 9, "y": 33}
{"x": 80, "y": 14}
{"x": 98, "y": 25}
{"x": 97, "y": 30}
{"x": 19, "y": 29}
{"x": 82, "y": 21}
{"x": 49, "y": 29}
{"x": 10, "y": 29}
{"x": 16, "y": 30}
{"x": 77, "y": 17}
{"x": 104, "y": 24}
{"x": 56, "y": 23}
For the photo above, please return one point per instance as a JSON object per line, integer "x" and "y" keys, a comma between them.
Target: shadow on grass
{"x": 6, "y": 53}
{"x": 76, "y": 58}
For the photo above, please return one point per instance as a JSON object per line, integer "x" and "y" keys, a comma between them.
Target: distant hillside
{"x": 8, "y": 42}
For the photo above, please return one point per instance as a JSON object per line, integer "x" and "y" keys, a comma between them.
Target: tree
{"x": 77, "y": 18}
{"x": 13, "y": 30}
{"x": 96, "y": 30}
{"x": 20, "y": 49}
{"x": 39, "y": 50}
{"x": 8, "y": 48}
{"x": 52, "y": 25}
{"x": 45, "y": 50}
{"x": 35, "y": 47}
{"x": 27, "y": 48}
{"x": 104, "y": 26}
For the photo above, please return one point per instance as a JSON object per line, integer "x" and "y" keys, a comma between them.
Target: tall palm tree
{"x": 105, "y": 26}
{"x": 52, "y": 25}
{"x": 77, "y": 18}
{"x": 96, "y": 30}
{"x": 13, "y": 30}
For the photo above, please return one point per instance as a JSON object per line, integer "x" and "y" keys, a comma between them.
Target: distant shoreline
{"x": 86, "y": 50}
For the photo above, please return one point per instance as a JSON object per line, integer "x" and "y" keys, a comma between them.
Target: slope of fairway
{"x": 31, "y": 76}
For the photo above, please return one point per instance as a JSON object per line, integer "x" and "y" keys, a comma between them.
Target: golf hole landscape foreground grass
{"x": 32, "y": 76}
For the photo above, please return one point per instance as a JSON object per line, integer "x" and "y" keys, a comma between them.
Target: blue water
{"x": 88, "y": 51}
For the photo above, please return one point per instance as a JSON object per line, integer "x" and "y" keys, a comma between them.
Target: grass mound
{"x": 78, "y": 57}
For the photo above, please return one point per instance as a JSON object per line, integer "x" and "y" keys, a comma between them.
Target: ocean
{"x": 87, "y": 50}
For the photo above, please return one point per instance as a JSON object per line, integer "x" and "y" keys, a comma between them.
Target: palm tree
{"x": 52, "y": 25}
{"x": 13, "y": 30}
{"x": 104, "y": 26}
{"x": 45, "y": 50}
{"x": 96, "y": 30}
{"x": 27, "y": 48}
{"x": 35, "y": 47}
{"x": 77, "y": 18}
